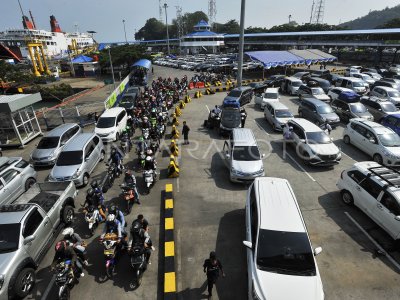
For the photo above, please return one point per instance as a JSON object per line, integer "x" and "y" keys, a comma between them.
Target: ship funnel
{"x": 54, "y": 24}
{"x": 27, "y": 23}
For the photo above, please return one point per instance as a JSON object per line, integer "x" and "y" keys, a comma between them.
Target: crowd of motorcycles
{"x": 151, "y": 117}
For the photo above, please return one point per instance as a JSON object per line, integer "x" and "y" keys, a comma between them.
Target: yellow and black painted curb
{"x": 223, "y": 89}
{"x": 169, "y": 245}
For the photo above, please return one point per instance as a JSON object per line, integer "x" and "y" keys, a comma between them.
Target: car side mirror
{"x": 317, "y": 251}
{"x": 248, "y": 244}
{"x": 263, "y": 155}
{"x": 314, "y": 111}
{"x": 302, "y": 140}
{"x": 227, "y": 155}
{"x": 86, "y": 158}
{"x": 29, "y": 239}
{"x": 372, "y": 141}
{"x": 397, "y": 218}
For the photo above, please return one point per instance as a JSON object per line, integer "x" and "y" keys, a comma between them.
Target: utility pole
{"x": 166, "y": 23}
{"x": 241, "y": 43}
{"x": 126, "y": 40}
{"x": 112, "y": 68}
{"x": 290, "y": 17}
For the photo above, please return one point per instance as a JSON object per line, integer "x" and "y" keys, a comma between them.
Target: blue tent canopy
{"x": 144, "y": 63}
{"x": 82, "y": 59}
{"x": 275, "y": 58}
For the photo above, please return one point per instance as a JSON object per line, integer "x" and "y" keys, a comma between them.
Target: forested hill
{"x": 375, "y": 19}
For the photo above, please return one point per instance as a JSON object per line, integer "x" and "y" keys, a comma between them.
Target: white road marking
{"x": 259, "y": 126}
{"x": 295, "y": 161}
{"x": 388, "y": 256}
{"x": 179, "y": 259}
{"x": 208, "y": 109}
{"x": 177, "y": 184}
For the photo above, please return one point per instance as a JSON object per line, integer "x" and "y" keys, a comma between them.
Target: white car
{"x": 277, "y": 114}
{"x": 334, "y": 92}
{"x": 375, "y": 190}
{"x": 368, "y": 79}
{"x": 111, "y": 124}
{"x": 387, "y": 93}
{"x": 280, "y": 260}
{"x": 270, "y": 95}
{"x": 378, "y": 141}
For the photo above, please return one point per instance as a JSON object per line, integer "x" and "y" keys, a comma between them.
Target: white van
{"x": 290, "y": 85}
{"x": 280, "y": 260}
{"x": 243, "y": 156}
{"x": 111, "y": 124}
{"x": 270, "y": 95}
{"x": 355, "y": 84}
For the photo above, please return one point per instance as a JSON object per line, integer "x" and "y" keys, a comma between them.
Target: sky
{"x": 105, "y": 16}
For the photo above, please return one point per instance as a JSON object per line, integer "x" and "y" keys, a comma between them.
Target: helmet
{"x": 60, "y": 246}
{"x": 94, "y": 184}
{"x": 128, "y": 172}
{"x": 68, "y": 231}
{"x": 145, "y": 118}
{"x": 213, "y": 255}
{"x": 90, "y": 192}
{"x": 112, "y": 210}
{"x": 149, "y": 152}
{"x": 110, "y": 218}
{"x": 290, "y": 128}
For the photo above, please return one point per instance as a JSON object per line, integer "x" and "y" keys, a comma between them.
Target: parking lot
{"x": 209, "y": 215}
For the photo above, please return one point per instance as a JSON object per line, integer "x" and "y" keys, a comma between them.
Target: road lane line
{"x": 295, "y": 161}
{"x": 390, "y": 258}
{"x": 49, "y": 287}
{"x": 259, "y": 126}
{"x": 208, "y": 109}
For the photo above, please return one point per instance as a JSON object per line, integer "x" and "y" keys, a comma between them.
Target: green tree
{"x": 393, "y": 23}
{"x": 230, "y": 27}
{"x": 191, "y": 19}
{"x": 152, "y": 30}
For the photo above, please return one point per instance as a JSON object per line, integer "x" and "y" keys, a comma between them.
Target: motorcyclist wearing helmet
{"x": 65, "y": 251}
{"x": 145, "y": 122}
{"x": 141, "y": 145}
{"x": 93, "y": 199}
{"x": 112, "y": 225}
{"x": 113, "y": 210}
{"x": 116, "y": 157}
{"x": 77, "y": 243}
{"x": 130, "y": 180}
{"x": 150, "y": 163}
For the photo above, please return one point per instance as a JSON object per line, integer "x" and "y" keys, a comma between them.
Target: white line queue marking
{"x": 390, "y": 258}
{"x": 208, "y": 109}
{"x": 295, "y": 161}
{"x": 259, "y": 126}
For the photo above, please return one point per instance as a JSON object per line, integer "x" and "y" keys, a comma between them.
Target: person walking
{"x": 212, "y": 267}
{"x": 185, "y": 132}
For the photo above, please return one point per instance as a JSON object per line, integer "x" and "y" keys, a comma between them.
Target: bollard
{"x": 178, "y": 111}
{"x": 175, "y": 120}
{"x": 182, "y": 104}
{"x": 174, "y": 132}
{"x": 173, "y": 170}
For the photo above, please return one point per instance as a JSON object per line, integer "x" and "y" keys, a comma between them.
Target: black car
{"x": 323, "y": 83}
{"x": 127, "y": 102}
{"x": 274, "y": 80}
{"x": 243, "y": 95}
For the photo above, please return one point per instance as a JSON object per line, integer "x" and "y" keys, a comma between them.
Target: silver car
{"x": 16, "y": 177}
{"x": 277, "y": 114}
{"x": 78, "y": 159}
{"x": 50, "y": 146}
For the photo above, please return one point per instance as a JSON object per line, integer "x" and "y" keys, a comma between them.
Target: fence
{"x": 116, "y": 95}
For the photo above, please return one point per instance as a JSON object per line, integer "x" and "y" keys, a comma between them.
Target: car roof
{"x": 386, "y": 88}
{"x": 316, "y": 101}
{"x": 343, "y": 89}
{"x": 243, "y": 137}
{"x": 397, "y": 116}
{"x": 277, "y": 105}
{"x": 378, "y": 128}
{"x": 59, "y": 130}
{"x": 242, "y": 88}
{"x": 306, "y": 125}
{"x": 112, "y": 112}
{"x": 272, "y": 90}
{"x": 353, "y": 79}
{"x": 10, "y": 214}
{"x": 77, "y": 142}
{"x": 293, "y": 79}
{"x": 278, "y": 205}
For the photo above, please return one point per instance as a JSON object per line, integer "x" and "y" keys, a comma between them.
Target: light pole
{"x": 111, "y": 65}
{"x": 241, "y": 43}
{"x": 166, "y": 23}
{"x": 126, "y": 40}
{"x": 290, "y": 17}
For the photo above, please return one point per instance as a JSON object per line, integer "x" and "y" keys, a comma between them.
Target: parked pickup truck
{"x": 28, "y": 227}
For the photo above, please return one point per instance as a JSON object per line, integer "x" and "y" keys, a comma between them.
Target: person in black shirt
{"x": 185, "y": 132}
{"x": 212, "y": 267}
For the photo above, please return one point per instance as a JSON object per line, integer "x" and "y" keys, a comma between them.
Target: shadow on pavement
{"x": 220, "y": 173}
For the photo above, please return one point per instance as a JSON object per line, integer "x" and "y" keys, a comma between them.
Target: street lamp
{"x": 166, "y": 22}
{"x": 290, "y": 17}
{"x": 241, "y": 43}
{"x": 111, "y": 65}
{"x": 126, "y": 40}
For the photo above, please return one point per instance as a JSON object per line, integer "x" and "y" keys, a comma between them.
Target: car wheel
{"x": 29, "y": 182}
{"x": 102, "y": 155}
{"x": 346, "y": 139}
{"x": 378, "y": 159}
{"x": 85, "y": 179}
{"x": 68, "y": 214}
{"x": 24, "y": 282}
{"x": 347, "y": 198}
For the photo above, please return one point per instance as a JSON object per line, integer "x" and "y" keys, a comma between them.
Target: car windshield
{"x": 296, "y": 83}
{"x": 271, "y": 95}
{"x": 246, "y": 153}
{"x": 9, "y": 237}
{"x": 357, "y": 108}
{"x": 230, "y": 118}
{"x": 358, "y": 84}
{"x": 317, "y": 91}
{"x": 48, "y": 142}
{"x": 69, "y": 158}
{"x": 235, "y": 94}
{"x": 285, "y": 253}
{"x": 283, "y": 113}
{"x": 106, "y": 122}
{"x": 325, "y": 109}
{"x": 127, "y": 99}
{"x": 389, "y": 139}
{"x": 318, "y": 137}
{"x": 394, "y": 94}
{"x": 388, "y": 107}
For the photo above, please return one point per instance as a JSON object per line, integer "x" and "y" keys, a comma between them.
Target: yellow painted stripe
{"x": 168, "y": 187}
{"x": 169, "y": 282}
{"x": 169, "y": 223}
{"x": 169, "y": 249}
{"x": 169, "y": 203}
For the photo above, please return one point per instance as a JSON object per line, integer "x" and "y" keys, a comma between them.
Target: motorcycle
{"x": 138, "y": 263}
{"x": 145, "y": 133}
{"x": 141, "y": 159}
{"x": 128, "y": 194}
{"x": 150, "y": 177}
{"x": 65, "y": 279}
{"x": 92, "y": 217}
{"x": 110, "y": 243}
{"x": 125, "y": 143}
